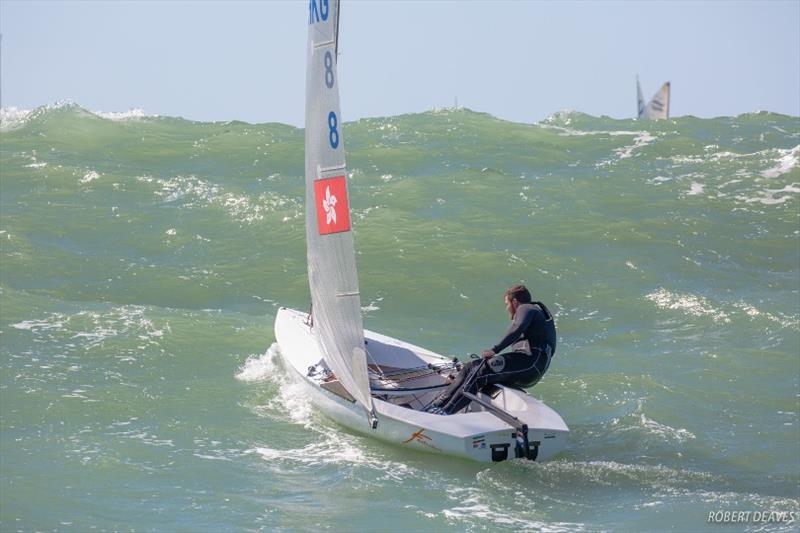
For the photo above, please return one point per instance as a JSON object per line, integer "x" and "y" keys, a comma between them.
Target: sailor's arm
{"x": 522, "y": 319}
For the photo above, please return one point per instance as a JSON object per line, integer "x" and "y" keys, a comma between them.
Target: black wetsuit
{"x": 532, "y": 337}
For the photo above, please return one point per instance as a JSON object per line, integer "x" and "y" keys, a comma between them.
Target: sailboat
{"x": 658, "y": 107}
{"x": 366, "y": 381}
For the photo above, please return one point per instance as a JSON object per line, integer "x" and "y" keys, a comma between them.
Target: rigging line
{"x": 336, "y": 31}
{"x": 375, "y": 363}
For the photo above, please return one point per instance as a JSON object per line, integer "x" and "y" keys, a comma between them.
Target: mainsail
{"x": 332, "y": 276}
{"x": 658, "y": 106}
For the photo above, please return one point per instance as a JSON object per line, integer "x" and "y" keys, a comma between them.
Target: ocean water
{"x": 143, "y": 260}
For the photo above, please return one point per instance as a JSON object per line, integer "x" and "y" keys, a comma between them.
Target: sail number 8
{"x": 328, "y": 70}
{"x": 333, "y": 134}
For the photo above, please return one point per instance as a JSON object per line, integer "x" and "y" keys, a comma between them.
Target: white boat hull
{"x": 477, "y": 434}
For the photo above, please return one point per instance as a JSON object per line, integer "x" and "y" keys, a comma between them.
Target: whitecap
{"x": 691, "y": 304}
{"x": 123, "y": 115}
{"x": 643, "y": 139}
{"x": 259, "y": 367}
{"x": 664, "y": 431}
{"x": 696, "y": 188}
{"x": 12, "y": 117}
{"x": 196, "y": 192}
{"x": 768, "y": 196}
{"x": 781, "y": 319}
{"x": 53, "y": 322}
{"x": 789, "y": 159}
{"x": 90, "y": 177}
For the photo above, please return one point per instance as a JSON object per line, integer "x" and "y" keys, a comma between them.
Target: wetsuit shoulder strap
{"x": 548, "y": 316}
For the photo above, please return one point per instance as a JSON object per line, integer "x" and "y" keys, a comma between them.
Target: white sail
{"x": 658, "y": 106}
{"x": 332, "y": 275}
{"x": 639, "y": 99}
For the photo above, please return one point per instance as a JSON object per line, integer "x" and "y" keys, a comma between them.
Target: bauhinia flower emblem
{"x": 330, "y": 197}
{"x": 329, "y": 204}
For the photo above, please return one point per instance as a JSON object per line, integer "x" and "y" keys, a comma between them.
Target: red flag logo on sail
{"x": 333, "y": 211}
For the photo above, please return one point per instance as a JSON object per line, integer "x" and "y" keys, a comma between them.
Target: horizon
{"x": 11, "y": 116}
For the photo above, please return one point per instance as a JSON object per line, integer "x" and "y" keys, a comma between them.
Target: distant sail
{"x": 658, "y": 106}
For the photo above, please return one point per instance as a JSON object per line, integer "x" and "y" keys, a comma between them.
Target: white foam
{"x": 123, "y": 115}
{"x": 768, "y": 196}
{"x": 564, "y": 117}
{"x": 198, "y": 192}
{"x": 789, "y": 159}
{"x": 259, "y": 367}
{"x": 90, "y": 177}
{"x": 682, "y": 159}
{"x": 333, "y": 447}
{"x": 36, "y": 164}
{"x": 566, "y": 132}
{"x": 90, "y": 339}
{"x": 12, "y": 117}
{"x": 781, "y": 319}
{"x": 53, "y": 322}
{"x": 370, "y": 307}
{"x": 664, "y": 431}
{"x": 696, "y": 189}
{"x": 291, "y": 398}
{"x": 606, "y": 472}
{"x": 502, "y": 519}
{"x": 643, "y": 139}
{"x": 689, "y": 303}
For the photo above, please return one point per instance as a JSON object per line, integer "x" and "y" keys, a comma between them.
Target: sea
{"x": 144, "y": 259}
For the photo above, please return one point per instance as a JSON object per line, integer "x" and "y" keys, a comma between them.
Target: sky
{"x": 518, "y": 60}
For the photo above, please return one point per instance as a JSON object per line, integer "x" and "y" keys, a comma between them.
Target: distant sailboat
{"x": 658, "y": 106}
{"x": 350, "y": 372}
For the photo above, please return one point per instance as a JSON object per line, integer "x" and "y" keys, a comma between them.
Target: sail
{"x": 658, "y": 106}
{"x": 332, "y": 276}
{"x": 639, "y": 99}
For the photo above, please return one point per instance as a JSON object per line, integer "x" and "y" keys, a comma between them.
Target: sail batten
{"x": 338, "y": 327}
{"x": 340, "y": 168}
{"x": 324, "y": 43}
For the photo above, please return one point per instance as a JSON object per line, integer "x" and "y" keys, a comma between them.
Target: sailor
{"x": 532, "y": 338}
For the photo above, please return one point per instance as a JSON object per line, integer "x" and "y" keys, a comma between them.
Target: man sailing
{"x": 532, "y": 337}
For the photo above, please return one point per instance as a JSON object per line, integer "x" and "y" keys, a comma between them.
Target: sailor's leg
{"x": 515, "y": 368}
{"x": 474, "y": 380}
{"x": 456, "y": 384}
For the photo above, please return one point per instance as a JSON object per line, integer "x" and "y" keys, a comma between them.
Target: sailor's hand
{"x": 488, "y": 353}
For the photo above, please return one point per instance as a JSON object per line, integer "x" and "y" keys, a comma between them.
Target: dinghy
{"x": 658, "y": 107}
{"x": 366, "y": 381}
